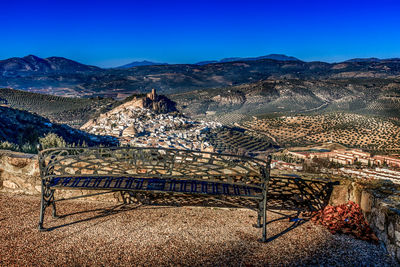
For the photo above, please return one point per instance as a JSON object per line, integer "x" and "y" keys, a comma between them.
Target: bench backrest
{"x": 153, "y": 162}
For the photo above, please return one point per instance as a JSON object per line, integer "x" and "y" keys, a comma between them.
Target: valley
{"x": 244, "y": 106}
{"x": 72, "y": 111}
{"x": 292, "y": 96}
{"x": 369, "y": 133}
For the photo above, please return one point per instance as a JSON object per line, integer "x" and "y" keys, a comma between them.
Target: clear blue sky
{"x": 115, "y": 32}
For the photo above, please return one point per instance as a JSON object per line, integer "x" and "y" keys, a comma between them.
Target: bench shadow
{"x": 292, "y": 218}
{"x": 304, "y": 196}
{"x": 301, "y": 196}
{"x": 103, "y": 212}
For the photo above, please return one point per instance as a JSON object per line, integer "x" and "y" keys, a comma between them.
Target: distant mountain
{"x": 139, "y": 63}
{"x": 372, "y": 59}
{"x": 49, "y": 76}
{"x": 207, "y": 62}
{"x": 278, "y": 57}
{"x": 33, "y": 64}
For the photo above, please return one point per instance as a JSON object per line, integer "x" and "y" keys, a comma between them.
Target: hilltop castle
{"x": 153, "y": 95}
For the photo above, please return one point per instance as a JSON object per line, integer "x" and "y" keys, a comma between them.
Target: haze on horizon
{"x": 119, "y": 32}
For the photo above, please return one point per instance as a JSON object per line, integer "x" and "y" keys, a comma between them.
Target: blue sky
{"x": 111, "y": 33}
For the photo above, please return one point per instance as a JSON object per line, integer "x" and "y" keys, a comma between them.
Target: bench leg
{"x": 264, "y": 215}
{"x": 46, "y": 200}
{"x": 43, "y": 206}
{"x": 54, "y": 209}
{"x": 42, "y": 210}
{"x": 264, "y": 223}
{"x": 259, "y": 215}
{"x": 259, "y": 220}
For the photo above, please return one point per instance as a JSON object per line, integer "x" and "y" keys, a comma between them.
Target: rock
{"x": 355, "y": 195}
{"x": 397, "y": 237}
{"x": 38, "y": 188}
{"x": 18, "y": 162}
{"x": 398, "y": 254}
{"x": 366, "y": 201}
{"x": 380, "y": 220}
{"x": 391, "y": 230}
{"x": 383, "y": 237}
{"x": 391, "y": 249}
{"x": 129, "y": 131}
{"x": 9, "y": 184}
{"x": 340, "y": 195}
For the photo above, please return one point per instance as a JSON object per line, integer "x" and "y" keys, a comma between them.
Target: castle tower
{"x": 152, "y": 95}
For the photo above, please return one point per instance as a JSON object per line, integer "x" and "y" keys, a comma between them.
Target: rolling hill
{"x": 139, "y": 63}
{"x": 65, "y": 110}
{"x": 23, "y": 128}
{"x": 277, "y": 57}
{"x": 34, "y": 65}
{"x": 74, "y": 79}
{"x": 235, "y": 103}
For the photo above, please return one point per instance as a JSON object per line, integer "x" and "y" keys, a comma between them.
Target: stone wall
{"x": 380, "y": 210}
{"x": 19, "y": 174}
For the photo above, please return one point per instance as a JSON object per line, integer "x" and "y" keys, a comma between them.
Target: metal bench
{"x": 132, "y": 170}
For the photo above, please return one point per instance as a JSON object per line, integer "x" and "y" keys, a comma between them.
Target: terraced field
{"x": 352, "y": 130}
{"x": 237, "y": 141}
{"x": 65, "y": 110}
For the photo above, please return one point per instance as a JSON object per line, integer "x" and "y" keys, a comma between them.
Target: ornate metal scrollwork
{"x": 134, "y": 170}
{"x": 142, "y": 174}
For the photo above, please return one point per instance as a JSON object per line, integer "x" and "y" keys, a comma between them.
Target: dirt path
{"x": 102, "y": 234}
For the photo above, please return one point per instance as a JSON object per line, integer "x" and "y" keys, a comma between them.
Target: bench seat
{"x": 157, "y": 184}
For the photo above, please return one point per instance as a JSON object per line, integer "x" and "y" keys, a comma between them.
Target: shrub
{"x": 28, "y": 148}
{"x": 52, "y": 140}
{"x": 8, "y": 146}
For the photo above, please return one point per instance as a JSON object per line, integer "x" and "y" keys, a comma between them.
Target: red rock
{"x": 346, "y": 218}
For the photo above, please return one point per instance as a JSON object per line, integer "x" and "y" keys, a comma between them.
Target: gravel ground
{"x": 105, "y": 234}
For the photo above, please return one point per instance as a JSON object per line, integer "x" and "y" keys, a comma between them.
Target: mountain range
{"x": 60, "y": 76}
{"x": 277, "y": 57}
{"x": 33, "y": 64}
{"x": 139, "y": 63}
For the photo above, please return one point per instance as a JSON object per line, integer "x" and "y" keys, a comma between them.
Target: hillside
{"x": 139, "y": 63}
{"x": 24, "y": 128}
{"x": 64, "y": 110}
{"x": 77, "y": 80}
{"x": 135, "y": 124}
{"x": 235, "y": 103}
{"x": 32, "y": 64}
{"x": 277, "y": 57}
{"x": 370, "y": 133}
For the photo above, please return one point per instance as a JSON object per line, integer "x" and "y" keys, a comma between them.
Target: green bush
{"x": 52, "y": 140}
{"x": 28, "y": 148}
{"x": 8, "y": 146}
